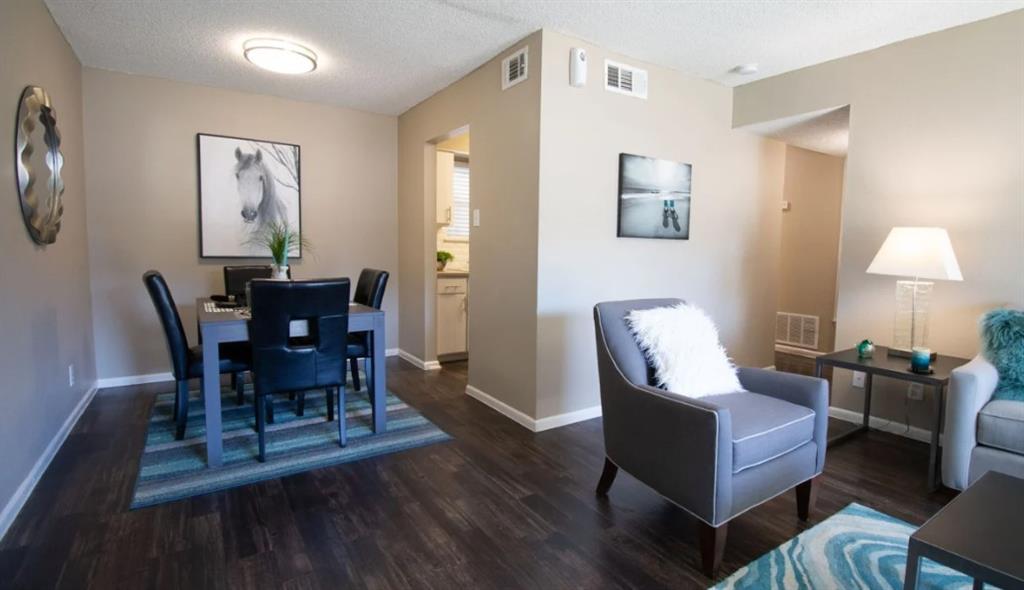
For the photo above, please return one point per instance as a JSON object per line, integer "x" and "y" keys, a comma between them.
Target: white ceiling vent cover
{"x": 514, "y": 68}
{"x": 796, "y": 329}
{"x": 625, "y": 79}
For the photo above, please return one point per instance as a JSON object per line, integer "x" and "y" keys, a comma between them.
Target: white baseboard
{"x": 21, "y": 495}
{"x": 891, "y": 426}
{"x": 133, "y": 380}
{"x": 568, "y": 418}
{"x": 502, "y": 408}
{"x": 391, "y": 352}
{"x": 420, "y": 363}
{"x": 528, "y": 422}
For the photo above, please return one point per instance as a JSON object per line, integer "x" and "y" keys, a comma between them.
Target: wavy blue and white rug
{"x": 171, "y": 469}
{"x": 855, "y": 548}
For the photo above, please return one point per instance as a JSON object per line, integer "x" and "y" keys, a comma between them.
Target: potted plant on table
{"x": 282, "y": 241}
{"x": 443, "y": 258}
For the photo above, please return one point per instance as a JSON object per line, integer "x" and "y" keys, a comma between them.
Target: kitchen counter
{"x": 453, "y": 274}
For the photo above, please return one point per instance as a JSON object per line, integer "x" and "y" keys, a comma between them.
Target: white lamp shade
{"x": 920, "y": 252}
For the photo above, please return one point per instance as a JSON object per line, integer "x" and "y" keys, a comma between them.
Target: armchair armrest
{"x": 970, "y": 388}
{"x": 810, "y": 392}
{"x": 678, "y": 446}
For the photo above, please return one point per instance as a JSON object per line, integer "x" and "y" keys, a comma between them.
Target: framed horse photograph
{"x": 246, "y": 187}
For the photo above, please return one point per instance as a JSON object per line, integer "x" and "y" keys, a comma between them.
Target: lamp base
{"x": 905, "y": 354}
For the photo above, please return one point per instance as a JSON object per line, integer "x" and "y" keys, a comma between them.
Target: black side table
{"x": 894, "y": 367}
{"x": 978, "y": 534}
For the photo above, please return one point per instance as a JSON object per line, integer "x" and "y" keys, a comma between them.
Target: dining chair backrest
{"x": 237, "y": 277}
{"x": 285, "y": 364}
{"x": 370, "y": 287}
{"x": 177, "y": 343}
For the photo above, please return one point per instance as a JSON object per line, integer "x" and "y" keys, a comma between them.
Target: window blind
{"x": 459, "y": 227}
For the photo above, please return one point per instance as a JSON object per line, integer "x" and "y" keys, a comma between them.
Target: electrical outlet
{"x": 915, "y": 391}
{"x": 858, "y": 379}
{"x": 71, "y": 375}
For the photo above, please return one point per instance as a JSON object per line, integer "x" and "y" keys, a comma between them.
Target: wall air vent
{"x": 514, "y": 68}
{"x": 625, "y": 79}
{"x": 796, "y": 329}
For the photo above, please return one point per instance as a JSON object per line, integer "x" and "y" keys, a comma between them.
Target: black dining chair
{"x": 237, "y": 277}
{"x": 186, "y": 361}
{"x": 284, "y": 364}
{"x": 369, "y": 292}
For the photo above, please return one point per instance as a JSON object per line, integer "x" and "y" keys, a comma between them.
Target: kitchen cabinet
{"x": 452, "y": 316}
{"x": 445, "y": 170}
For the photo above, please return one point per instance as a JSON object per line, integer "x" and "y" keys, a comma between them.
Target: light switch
{"x": 476, "y": 218}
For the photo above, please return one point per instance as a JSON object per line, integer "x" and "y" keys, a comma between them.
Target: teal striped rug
{"x": 855, "y": 548}
{"x": 171, "y": 469}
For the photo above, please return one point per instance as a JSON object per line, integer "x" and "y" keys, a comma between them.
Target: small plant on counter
{"x": 443, "y": 258}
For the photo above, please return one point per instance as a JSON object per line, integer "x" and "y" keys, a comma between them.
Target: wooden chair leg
{"x": 353, "y": 364}
{"x": 261, "y": 428}
{"x": 342, "y": 430}
{"x": 607, "y": 477}
{"x": 269, "y": 402}
{"x": 712, "y": 547}
{"x": 238, "y": 383}
{"x": 181, "y": 409}
{"x": 806, "y": 496}
{"x": 300, "y": 404}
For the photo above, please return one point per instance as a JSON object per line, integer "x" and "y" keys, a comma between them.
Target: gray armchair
{"x": 715, "y": 457}
{"x": 981, "y": 434}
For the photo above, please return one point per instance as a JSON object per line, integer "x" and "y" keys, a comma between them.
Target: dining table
{"x": 218, "y": 324}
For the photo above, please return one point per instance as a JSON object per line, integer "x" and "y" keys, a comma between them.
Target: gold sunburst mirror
{"x": 38, "y": 160}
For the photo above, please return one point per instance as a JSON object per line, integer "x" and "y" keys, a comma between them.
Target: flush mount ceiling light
{"x": 744, "y": 69}
{"x": 279, "y": 56}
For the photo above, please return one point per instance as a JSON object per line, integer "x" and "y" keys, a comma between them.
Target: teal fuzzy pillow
{"x": 1002, "y": 340}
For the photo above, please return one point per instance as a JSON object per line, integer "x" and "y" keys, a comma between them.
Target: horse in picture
{"x": 257, "y": 188}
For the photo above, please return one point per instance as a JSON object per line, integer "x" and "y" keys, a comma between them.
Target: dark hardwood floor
{"x": 497, "y": 507}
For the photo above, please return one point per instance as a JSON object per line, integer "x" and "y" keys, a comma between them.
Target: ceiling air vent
{"x": 796, "y": 329}
{"x": 514, "y": 68}
{"x": 625, "y": 79}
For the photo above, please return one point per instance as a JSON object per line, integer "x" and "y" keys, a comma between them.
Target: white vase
{"x": 280, "y": 272}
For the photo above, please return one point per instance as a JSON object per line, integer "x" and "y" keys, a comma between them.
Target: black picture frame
{"x": 203, "y": 254}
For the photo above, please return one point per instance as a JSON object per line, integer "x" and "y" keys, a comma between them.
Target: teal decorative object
{"x": 920, "y": 359}
{"x": 866, "y": 349}
{"x": 1002, "y": 340}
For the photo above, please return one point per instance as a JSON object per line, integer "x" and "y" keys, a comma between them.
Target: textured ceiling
{"x": 386, "y": 55}
{"x": 826, "y": 131}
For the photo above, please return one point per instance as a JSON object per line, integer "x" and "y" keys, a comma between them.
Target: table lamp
{"x": 921, "y": 253}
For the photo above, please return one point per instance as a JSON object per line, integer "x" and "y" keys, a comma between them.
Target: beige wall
{"x": 729, "y": 266}
{"x": 505, "y": 127}
{"x": 809, "y": 244}
{"x": 936, "y": 138}
{"x": 143, "y": 201}
{"x": 45, "y": 313}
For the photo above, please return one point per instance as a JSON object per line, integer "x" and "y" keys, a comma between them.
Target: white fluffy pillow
{"x": 681, "y": 343}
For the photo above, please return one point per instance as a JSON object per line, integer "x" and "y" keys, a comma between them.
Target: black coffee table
{"x": 979, "y": 533}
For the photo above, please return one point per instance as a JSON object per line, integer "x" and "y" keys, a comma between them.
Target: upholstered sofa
{"x": 715, "y": 457}
{"x": 981, "y": 434}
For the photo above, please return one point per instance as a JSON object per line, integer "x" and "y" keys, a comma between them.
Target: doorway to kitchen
{"x": 453, "y": 222}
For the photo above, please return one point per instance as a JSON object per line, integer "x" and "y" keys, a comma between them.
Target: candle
{"x": 920, "y": 358}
